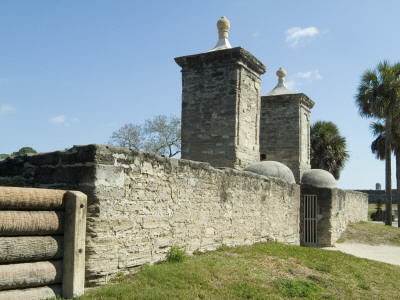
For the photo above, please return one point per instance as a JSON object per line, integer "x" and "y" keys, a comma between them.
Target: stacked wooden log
{"x": 31, "y": 242}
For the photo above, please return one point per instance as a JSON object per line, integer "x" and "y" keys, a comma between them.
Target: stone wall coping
{"x": 184, "y": 162}
{"x": 297, "y": 97}
{"x": 103, "y": 155}
{"x": 233, "y": 55}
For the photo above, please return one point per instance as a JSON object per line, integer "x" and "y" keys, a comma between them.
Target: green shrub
{"x": 176, "y": 254}
{"x": 321, "y": 266}
{"x": 297, "y": 288}
{"x": 223, "y": 247}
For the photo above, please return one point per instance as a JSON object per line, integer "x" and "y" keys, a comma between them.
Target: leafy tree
{"x": 4, "y": 156}
{"x": 328, "y": 148}
{"x": 378, "y": 148}
{"x": 378, "y": 97}
{"x": 128, "y": 136}
{"x": 161, "y": 135}
{"x": 23, "y": 151}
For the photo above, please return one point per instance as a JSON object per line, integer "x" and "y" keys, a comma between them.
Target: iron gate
{"x": 310, "y": 219}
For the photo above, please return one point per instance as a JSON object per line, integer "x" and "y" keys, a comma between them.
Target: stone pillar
{"x": 220, "y": 107}
{"x": 285, "y": 128}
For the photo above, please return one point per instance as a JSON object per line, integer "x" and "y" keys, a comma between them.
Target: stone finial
{"x": 280, "y": 88}
{"x": 281, "y": 73}
{"x": 223, "y": 25}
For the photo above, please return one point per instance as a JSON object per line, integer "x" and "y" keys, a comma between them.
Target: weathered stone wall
{"x": 335, "y": 210}
{"x": 220, "y": 107}
{"x": 347, "y": 207}
{"x": 140, "y": 204}
{"x": 285, "y": 131}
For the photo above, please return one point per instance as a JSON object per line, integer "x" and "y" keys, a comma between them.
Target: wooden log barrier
{"x": 30, "y": 198}
{"x": 24, "y": 275}
{"x": 46, "y": 292}
{"x": 31, "y": 222}
{"x": 31, "y": 248}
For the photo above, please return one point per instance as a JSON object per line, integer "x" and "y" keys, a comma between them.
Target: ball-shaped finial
{"x": 281, "y": 73}
{"x": 223, "y": 25}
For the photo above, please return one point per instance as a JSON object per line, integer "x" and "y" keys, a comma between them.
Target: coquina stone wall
{"x": 347, "y": 207}
{"x": 140, "y": 204}
{"x": 335, "y": 210}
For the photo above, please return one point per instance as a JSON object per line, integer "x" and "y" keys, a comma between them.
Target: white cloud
{"x": 297, "y": 35}
{"x": 256, "y": 34}
{"x": 58, "y": 119}
{"x": 295, "y": 81}
{"x": 310, "y": 75}
{"x": 62, "y": 119}
{"x": 304, "y": 75}
{"x": 5, "y": 108}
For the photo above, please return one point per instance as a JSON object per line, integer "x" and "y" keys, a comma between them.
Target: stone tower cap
{"x": 280, "y": 88}
{"x": 223, "y": 26}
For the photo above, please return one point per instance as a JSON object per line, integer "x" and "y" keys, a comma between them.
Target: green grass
{"x": 372, "y": 234}
{"x": 262, "y": 271}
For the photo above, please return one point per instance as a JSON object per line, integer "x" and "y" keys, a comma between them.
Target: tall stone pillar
{"x": 220, "y": 104}
{"x": 285, "y": 127}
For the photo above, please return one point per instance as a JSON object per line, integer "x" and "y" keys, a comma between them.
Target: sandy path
{"x": 383, "y": 253}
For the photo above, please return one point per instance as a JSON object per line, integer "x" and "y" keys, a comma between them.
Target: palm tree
{"x": 378, "y": 148}
{"x": 328, "y": 148}
{"x": 378, "y": 97}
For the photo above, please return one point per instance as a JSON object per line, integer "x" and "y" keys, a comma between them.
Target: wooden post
{"x": 74, "y": 244}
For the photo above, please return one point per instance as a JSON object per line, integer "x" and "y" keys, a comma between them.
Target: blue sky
{"x": 72, "y": 72}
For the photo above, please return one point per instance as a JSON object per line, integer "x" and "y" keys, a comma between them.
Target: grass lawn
{"x": 262, "y": 271}
{"x": 371, "y": 234}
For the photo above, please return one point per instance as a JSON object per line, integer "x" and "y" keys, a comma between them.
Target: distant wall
{"x": 374, "y": 195}
{"x": 139, "y": 204}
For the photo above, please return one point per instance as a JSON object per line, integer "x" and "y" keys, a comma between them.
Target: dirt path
{"x": 382, "y": 253}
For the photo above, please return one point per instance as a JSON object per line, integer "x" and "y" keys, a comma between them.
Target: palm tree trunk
{"x": 388, "y": 188}
{"x": 398, "y": 185}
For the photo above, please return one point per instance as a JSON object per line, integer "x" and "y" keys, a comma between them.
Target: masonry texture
{"x": 220, "y": 107}
{"x": 285, "y": 131}
{"x": 348, "y": 207}
{"x": 139, "y": 204}
{"x": 335, "y": 210}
